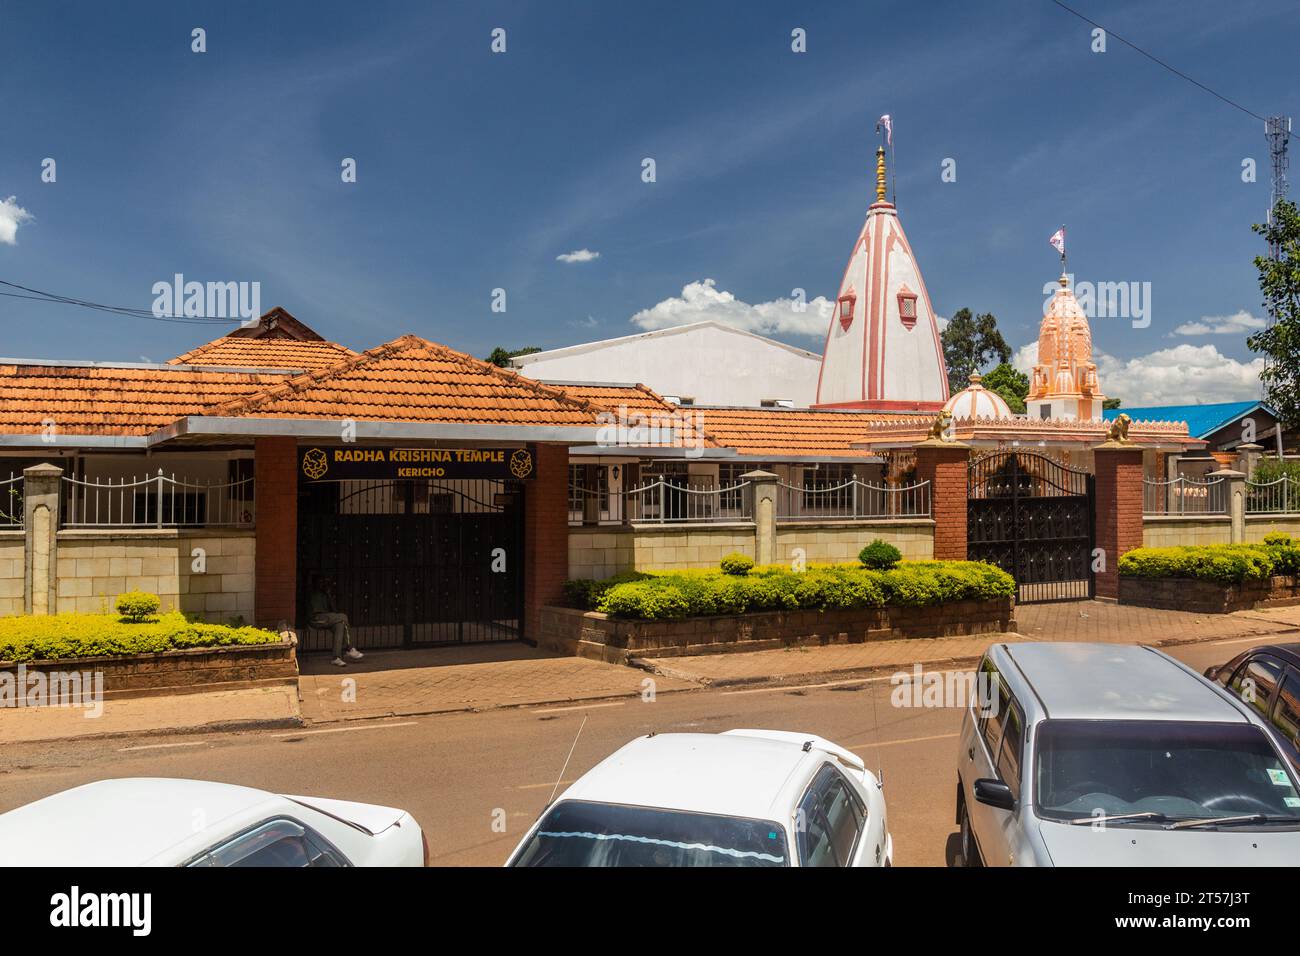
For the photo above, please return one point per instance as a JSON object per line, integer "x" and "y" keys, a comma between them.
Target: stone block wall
{"x": 96, "y": 566}
{"x": 12, "y": 576}
{"x": 1259, "y": 525}
{"x": 1166, "y": 532}
{"x": 596, "y": 552}
{"x": 831, "y": 542}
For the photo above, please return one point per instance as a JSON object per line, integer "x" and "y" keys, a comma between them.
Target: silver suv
{"x": 1106, "y": 755}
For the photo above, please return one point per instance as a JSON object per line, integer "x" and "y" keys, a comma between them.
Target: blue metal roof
{"x": 1201, "y": 420}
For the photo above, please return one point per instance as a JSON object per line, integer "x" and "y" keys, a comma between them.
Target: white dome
{"x": 976, "y": 401}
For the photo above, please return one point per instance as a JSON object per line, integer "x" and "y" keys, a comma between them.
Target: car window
{"x": 989, "y": 719}
{"x": 275, "y": 843}
{"x": 1286, "y": 716}
{"x": 1256, "y": 683}
{"x": 1013, "y": 746}
{"x": 831, "y": 820}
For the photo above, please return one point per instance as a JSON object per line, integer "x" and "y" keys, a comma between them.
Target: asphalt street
{"x": 476, "y": 781}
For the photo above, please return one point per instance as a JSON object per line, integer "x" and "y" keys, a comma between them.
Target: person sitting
{"x": 324, "y": 613}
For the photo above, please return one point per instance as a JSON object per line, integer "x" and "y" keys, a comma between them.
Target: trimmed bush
{"x": 138, "y": 606}
{"x": 774, "y": 588}
{"x": 879, "y": 555}
{"x": 736, "y": 563}
{"x": 1224, "y": 563}
{"x": 1285, "y": 552}
{"x": 60, "y": 636}
{"x": 585, "y": 593}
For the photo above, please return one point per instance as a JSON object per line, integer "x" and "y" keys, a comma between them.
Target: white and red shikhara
{"x": 883, "y": 350}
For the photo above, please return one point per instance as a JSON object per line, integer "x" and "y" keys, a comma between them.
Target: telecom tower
{"x": 1277, "y": 130}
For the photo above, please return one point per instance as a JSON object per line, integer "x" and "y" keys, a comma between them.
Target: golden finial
{"x": 880, "y": 174}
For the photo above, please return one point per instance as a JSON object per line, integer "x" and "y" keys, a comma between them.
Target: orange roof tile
{"x": 643, "y": 408}
{"x": 413, "y": 380}
{"x": 789, "y": 432}
{"x": 266, "y": 352}
{"x": 112, "y": 401}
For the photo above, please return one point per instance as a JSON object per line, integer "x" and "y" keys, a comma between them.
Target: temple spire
{"x": 880, "y": 174}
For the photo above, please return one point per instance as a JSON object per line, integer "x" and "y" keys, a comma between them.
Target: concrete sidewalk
{"x": 463, "y": 678}
{"x": 1089, "y": 621}
{"x": 255, "y": 707}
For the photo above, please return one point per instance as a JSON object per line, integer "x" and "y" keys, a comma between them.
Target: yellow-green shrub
{"x": 60, "y": 636}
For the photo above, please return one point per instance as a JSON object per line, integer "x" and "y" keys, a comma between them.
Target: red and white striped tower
{"x": 882, "y": 349}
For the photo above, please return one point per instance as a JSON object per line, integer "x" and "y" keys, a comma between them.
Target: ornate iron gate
{"x": 1032, "y": 516}
{"x": 414, "y": 562}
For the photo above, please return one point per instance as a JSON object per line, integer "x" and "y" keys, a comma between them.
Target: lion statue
{"x": 1119, "y": 429}
{"x": 941, "y": 428}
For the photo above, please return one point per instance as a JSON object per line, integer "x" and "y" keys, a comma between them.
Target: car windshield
{"x": 1167, "y": 770}
{"x": 578, "y": 833}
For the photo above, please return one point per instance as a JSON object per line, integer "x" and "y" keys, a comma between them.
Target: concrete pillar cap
{"x": 43, "y": 470}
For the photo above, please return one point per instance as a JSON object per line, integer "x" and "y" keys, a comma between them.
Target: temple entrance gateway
{"x": 1032, "y": 516}
{"x": 415, "y": 562}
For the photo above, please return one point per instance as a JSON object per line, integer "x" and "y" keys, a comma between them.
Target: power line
{"x": 37, "y": 295}
{"x": 1172, "y": 69}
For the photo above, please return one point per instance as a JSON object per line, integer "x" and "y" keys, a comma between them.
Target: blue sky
{"x": 476, "y": 170}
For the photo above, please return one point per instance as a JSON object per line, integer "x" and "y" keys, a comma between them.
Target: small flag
{"x": 888, "y": 124}
{"x": 1058, "y": 240}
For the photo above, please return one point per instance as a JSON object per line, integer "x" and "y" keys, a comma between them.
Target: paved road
{"x": 458, "y": 773}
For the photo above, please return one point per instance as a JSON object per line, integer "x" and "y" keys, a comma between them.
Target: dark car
{"x": 1268, "y": 678}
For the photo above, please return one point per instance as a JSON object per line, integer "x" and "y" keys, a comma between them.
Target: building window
{"x": 907, "y": 307}
{"x": 847, "y": 302}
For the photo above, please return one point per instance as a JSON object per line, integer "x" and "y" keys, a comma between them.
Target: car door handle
{"x": 970, "y": 753}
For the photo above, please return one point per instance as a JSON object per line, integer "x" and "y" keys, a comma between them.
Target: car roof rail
{"x": 807, "y": 743}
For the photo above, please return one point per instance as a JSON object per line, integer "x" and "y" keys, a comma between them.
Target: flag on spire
{"x": 1058, "y": 241}
{"x": 888, "y": 124}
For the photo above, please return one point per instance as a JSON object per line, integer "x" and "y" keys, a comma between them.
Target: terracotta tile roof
{"x": 413, "y": 380}
{"x": 112, "y": 401}
{"x": 267, "y": 352}
{"x": 789, "y": 432}
{"x": 643, "y": 408}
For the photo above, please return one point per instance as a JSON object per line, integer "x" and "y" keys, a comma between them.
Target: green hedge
{"x": 60, "y": 636}
{"x": 1224, "y": 563}
{"x": 667, "y": 595}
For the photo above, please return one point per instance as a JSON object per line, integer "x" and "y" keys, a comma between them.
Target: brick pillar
{"x": 41, "y": 487}
{"x": 945, "y": 465}
{"x": 546, "y": 536}
{"x": 1118, "y": 510}
{"x": 764, "y": 491}
{"x": 275, "y": 490}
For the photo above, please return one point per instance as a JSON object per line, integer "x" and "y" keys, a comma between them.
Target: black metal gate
{"x": 413, "y": 563}
{"x": 1032, "y": 516}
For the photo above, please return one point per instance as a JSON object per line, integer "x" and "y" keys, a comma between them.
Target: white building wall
{"x": 710, "y": 363}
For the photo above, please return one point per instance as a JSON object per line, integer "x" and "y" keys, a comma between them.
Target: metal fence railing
{"x": 850, "y": 500}
{"x": 160, "y": 501}
{"x": 1278, "y": 497}
{"x": 1184, "y": 496}
{"x": 664, "y": 501}
{"x": 11, "y": 502}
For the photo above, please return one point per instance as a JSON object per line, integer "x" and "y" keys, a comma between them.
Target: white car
{"x": 159, "y": 821}
{"x": 742, "y": 798}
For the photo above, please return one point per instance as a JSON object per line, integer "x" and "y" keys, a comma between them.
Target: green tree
{"x": 970, "y": 343}
{"x": 1279, "y": 281}
{"x": 501, "y": 357}
{"x": 1011, "y": 383}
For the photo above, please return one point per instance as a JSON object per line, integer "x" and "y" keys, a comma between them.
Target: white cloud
{"x": 12, "y": 216}
{"x": 1235, "y": 324}
{"x": 703, "y": 301}
{"x": 1178, "y": 376}
{"x": 578, "y": 255}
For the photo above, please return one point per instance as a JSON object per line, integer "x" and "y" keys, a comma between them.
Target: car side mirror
{"x": 994, "y": 793}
